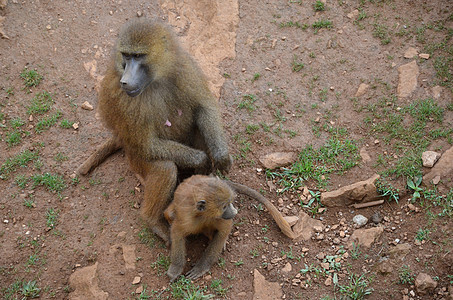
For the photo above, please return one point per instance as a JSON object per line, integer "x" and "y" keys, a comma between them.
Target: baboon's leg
{"x": 160, "y": 183}
{"x": 108, "y": 148}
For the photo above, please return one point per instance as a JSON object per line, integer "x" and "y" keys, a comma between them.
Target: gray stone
{"x": 360, "y": 220}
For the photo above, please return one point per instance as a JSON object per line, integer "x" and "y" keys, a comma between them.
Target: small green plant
{"x": 184, "y": 288}
{"x": 66, "y": 124}
{"x": 221, "y": 262}
{"x": 248, "y": 103}
{"x": 31, "y": 77}
{"x": 256, "y": 76}
{"x": 41, "y": 103}
{"x": 252, "y": 128}
{"x": 147, "y": 237}
{"x": 161, "y": 264}
{"x": 381, "y": 31}
{"x": 414, "y": 185}
{"x": 16, "y": 122}
{"x": 20, "y": 160}
{"x": 53, "y": 183}
{"x": 239, "y": 263}
{"x": 422, "y": 234}
{"x": 321, "y": 24}
{"x": 52, "y": 218}
{"x": 30, "y": 289}
{"x": 47, "y": 122}
{"x": 216, "y": 286}
{"x": 13, "y": 138}
{"x": 318, "y": 6}
{"x": 357, "y": 288}
{"x": 21, "y": 181}
{"x": 387, "y": 190}
{"x": 297, "y": 65}
{"x": 355, "y": 252}
{"x": 405, "y": 275}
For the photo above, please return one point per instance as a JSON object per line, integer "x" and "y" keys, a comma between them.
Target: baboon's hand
{"x": 223, "y": 163}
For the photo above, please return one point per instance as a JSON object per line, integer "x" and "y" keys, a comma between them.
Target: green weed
{"x": 184, "y": 288}
{"x": 248, "y": 103}
{"x": 161, "y": 264}
{"x": 20, "y": 160}
{"x": 66, "y": 124}
{"x": 53, "y": 183}
{"x": 219, "y": 290}
{"x": 47, "y": 122}
{"x": 386, "y": 189}
{"x": 31, "y": 77}
{"x": 41, "y": 103}
{"x": 52, "y": 218}
{"x": 405, "y": 275}
{"x": 318, "y": 6}
{"x": 357, "y": 288}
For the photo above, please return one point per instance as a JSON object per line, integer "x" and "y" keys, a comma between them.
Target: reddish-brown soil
{"x": 96, "y": 218}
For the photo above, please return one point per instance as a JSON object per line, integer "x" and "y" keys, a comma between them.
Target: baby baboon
{"x": 203, "y": 204}
{"x": 157, "y": 104}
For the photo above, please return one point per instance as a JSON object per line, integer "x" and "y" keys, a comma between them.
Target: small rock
{"x": 75, "y": 125}
{"x": 376, "y": 218}
{"x": 264, "y": 289}
{"x": 444, "y": 167}
{"x": 365, "y": 237}
{"x": 277, "y": 159}
{"x": 384, "y": 267}
{"x": 360, "y": 220}
{"x": 424, "y": 55}
{"x": 400, "y": 251}
{"x": 325, "y": 266}
{"x": 136, "y": 280}
{"x": 410, "y": 53}
{"x": 353, "y": 14}
{"x": 365, "y": 156}
{"x": 424, "y": 283}
{"x": 363, "y": 87}
{"x": 429, "y": 158}
{"x": 359, "y": 192}
{"x": 139, "y": 13}
{"x": 328, "y": 281}
{"x": 139, "y": 290}
{"x": 87, "y": 106}
{"x": 407, "y": 79}
{"x": 287, "y": 268}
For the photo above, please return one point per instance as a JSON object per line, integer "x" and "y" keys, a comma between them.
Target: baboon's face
{"x": 136, "y": 75}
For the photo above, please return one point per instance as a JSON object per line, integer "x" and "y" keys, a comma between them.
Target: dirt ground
{"x": 287, "y": 85}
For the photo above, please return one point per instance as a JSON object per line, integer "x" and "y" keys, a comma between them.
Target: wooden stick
{"x": 368, "y": 204}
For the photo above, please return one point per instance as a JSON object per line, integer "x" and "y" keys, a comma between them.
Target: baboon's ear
{"x": 201, "y": 205}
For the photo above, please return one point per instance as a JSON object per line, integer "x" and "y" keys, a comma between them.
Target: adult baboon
{"x": 157, "y": 104}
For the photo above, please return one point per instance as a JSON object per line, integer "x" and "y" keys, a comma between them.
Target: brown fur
{"x": 186, "y": 219}
{"x": 173, "y": 124}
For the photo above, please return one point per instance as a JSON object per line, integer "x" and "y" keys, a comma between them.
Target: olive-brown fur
{"x": 173, "y": 124}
